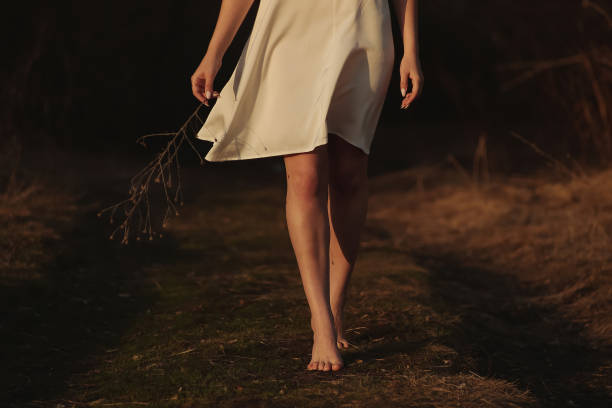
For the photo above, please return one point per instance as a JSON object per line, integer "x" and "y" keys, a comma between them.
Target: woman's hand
{"x": 203, "y": 79}
{"x": 410, "y": 70}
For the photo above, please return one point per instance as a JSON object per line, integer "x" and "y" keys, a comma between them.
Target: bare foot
{"x": 325, "y": 355}
{"x": 341, "y": 341}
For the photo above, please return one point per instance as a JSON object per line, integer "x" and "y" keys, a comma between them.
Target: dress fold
{"x": 308, "y": 68}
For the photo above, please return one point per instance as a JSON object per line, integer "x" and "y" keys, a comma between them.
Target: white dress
{"x": 309, "y": 68}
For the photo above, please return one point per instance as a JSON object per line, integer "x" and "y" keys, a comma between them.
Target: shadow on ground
{"x": 79, "y": 306}
{"x": 515, "y": 339}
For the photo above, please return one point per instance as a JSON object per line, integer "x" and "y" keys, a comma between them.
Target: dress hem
{"x": 321, "y": 142}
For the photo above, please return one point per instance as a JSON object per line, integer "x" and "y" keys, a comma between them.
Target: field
{"x": 470, "y": 291}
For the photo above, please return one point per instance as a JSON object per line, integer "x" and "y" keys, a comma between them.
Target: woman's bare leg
{"x": 347, "y": 206}
{"x": 308, "y": 224}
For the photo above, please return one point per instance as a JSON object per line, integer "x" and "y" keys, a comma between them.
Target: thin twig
{"x": 163, "y": 169}
{"x": 459, "y": 167}
{"x": 598, "y": 9}
{"x": 560, "y": 166}
{"x": 533, "y": 68}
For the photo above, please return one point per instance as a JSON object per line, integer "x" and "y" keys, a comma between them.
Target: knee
{"x": 348, "y": 181}
{"x": 307, "y": 184}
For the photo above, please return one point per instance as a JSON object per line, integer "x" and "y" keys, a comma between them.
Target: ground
{"x": 465, "y": 294}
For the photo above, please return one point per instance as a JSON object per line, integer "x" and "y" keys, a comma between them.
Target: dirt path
{"x": 214, "y": 315}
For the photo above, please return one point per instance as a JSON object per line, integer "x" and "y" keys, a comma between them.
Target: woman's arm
{"x": 410, "y": 66}
{"x": 231, "y": 16}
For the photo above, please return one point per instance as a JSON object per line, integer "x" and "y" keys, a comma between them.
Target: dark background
{"x": 95, "y": 76}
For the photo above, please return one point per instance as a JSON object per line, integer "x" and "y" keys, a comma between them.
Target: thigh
{"x": 309, "y": 171}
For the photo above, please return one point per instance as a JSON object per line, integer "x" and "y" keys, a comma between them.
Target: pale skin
{"x": 327, "y": 190}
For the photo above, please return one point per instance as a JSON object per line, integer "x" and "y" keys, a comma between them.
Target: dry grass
{"x": 214, "y": 313}
{"x": 552, "y": 232}
{"x": 464, "y": 390}
{"x": 29, "y": 215}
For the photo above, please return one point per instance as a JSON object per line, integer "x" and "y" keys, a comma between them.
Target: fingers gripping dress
{"x": 309, "y": 68}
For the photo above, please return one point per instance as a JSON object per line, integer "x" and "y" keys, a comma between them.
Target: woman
{"x": 309, "y": 86}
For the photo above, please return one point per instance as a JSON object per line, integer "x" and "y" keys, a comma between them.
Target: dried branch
{"x": 598, "y": 9}
{"x": 164, "y": 169}
{"x": 480, "y": 167}
{"x": 551, "y": 160}
{"x": 533, "y": 68}
{"x": 603, "y": 139}
{"x": 459, "y": 167}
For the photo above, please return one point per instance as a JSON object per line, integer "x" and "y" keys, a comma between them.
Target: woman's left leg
{"x": 347, "y": 208}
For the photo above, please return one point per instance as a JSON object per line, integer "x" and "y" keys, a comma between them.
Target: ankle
{"x": 322, "y": 324}
{"x": 337, "y": 311}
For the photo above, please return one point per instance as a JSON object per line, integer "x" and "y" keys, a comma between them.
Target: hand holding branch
{"x": 203, "y": 79}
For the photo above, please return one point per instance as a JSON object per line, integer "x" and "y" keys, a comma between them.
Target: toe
{"x": 326, "y": 366}
{"x": 312, "y": 365}
{"x": 336, "y": 366}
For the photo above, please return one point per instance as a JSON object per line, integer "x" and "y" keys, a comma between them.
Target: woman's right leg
{"x": 348, "y": 205}
{"x": 308, "y": 224}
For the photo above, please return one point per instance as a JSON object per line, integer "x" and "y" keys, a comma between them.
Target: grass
{"x": 552, "y": 233}
{"x": 448, "y": 306}
{"x": 28, "y": 216}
